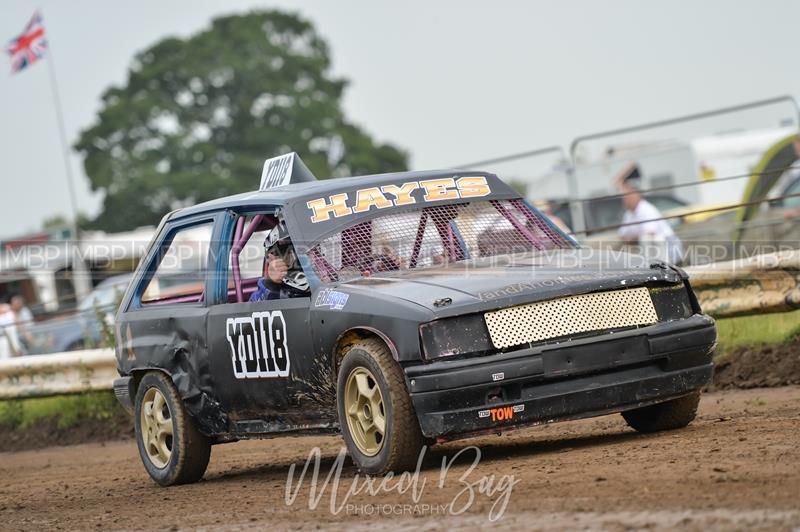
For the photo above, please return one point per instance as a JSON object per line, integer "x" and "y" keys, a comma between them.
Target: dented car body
{"x": 495, "y": 317}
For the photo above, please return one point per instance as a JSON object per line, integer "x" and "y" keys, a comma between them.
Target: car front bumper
{"x": 591, "y": 376}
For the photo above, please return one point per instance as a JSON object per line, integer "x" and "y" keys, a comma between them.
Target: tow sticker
{"x": 259, "y": 347}
{"x": 501, "y": 413}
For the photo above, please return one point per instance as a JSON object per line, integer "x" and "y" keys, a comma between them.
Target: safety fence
{"x": 57, "y": 374}
{"x": 755, "y": 285}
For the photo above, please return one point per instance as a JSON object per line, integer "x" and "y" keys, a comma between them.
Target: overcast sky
{"x": 449, "y": 81}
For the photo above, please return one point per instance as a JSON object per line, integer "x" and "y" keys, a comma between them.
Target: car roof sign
{"x": 283, "y": 170}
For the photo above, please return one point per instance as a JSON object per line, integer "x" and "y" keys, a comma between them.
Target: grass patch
{"x": 758, "y": 330}
{"x": 68, "y": 410}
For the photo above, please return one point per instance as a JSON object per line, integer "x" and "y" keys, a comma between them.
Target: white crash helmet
{"x": 297, "y": 279}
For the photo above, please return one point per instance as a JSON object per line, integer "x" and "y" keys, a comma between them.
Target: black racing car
{"x": 440, "y": 305}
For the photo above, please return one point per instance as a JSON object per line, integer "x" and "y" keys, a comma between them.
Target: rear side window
{"x": 247, "y": 254}
{"x": 181, "y": 273}
{"x": 251, "y": 258}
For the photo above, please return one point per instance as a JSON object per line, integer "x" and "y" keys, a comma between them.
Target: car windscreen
{"x": 434, "y": 236}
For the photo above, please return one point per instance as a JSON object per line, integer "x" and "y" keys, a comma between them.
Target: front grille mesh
{"x": 570, "y": 315}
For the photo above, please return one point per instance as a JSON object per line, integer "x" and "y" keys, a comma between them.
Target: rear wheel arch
{"x": 138, "y": 374}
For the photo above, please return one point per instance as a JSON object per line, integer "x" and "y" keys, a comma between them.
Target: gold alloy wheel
{"x": 366, "y": 417}
{"x": 156, "y": 428}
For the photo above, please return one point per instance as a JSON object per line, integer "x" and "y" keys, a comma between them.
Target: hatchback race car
{"x": 400, "y": 309}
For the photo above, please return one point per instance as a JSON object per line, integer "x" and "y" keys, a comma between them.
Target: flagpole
{"x": 63, "y": 137}
{"x": 80, "y": 281}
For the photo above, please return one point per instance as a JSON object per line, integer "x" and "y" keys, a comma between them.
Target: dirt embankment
{"x": 47, "y": 432}
{"x": 763, "y": 367}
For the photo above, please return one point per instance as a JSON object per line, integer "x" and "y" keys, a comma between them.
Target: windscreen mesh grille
{"x": 434, "y": 236}
{"x": 570, "y": 315}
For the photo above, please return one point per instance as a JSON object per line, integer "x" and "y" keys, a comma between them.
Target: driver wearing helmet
{"x": 283, "y": 276}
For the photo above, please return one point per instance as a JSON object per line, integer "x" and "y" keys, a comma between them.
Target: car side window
{"x": 248, "y": 254}
{"x": 181, "y": 272}
{"x": 251, "y": 258}
{"x": 251, "y": 265}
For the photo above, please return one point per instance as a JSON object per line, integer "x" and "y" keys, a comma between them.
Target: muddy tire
{"x": 172, "y": 450}
{"x": 674, "y": 414}
{"x": 376, "y": 415}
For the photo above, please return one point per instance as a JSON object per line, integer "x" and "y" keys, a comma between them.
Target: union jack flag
{"x": 29, "y": 47}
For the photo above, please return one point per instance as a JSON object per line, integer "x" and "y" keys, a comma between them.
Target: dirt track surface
{"x": 736, "y": 466}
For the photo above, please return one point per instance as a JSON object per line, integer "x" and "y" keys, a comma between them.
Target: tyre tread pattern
{"x": 194, "y": 448}
{"x": 406, "y": 432}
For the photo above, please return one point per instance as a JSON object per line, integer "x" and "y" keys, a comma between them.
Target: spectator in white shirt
{"x": 24, "y": 319}
{"x": 9, "y": 344}
{"x": 643, "y": 223}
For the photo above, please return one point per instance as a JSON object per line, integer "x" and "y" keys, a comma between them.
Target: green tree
{"x": 198, "y": 116}
{"x": 56, "y": 221}
{"x": 59, "y": 221}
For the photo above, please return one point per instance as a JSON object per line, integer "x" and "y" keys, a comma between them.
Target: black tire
{"x": 669, "y": 415}
{"x": 77, "y": 345}
{"x": 402, "y": 440}
{"x": 189, "y": 449}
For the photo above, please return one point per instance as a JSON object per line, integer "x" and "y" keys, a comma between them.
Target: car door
{"x": 164, "y": 325}
{"x": 262, "y": 358}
